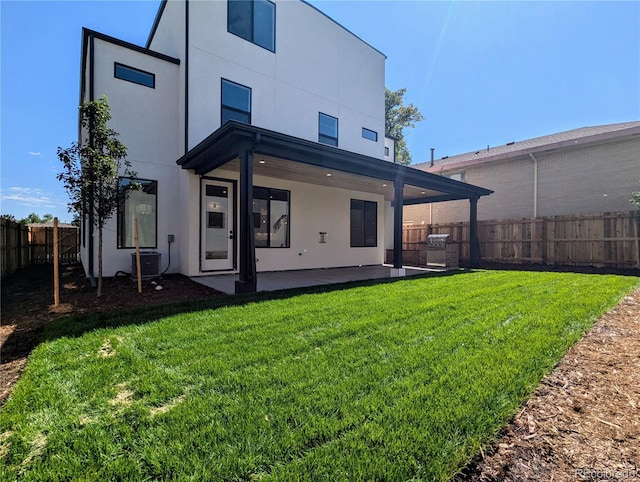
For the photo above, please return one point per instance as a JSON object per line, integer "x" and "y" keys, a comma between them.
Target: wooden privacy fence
{"x": 15, "y": 246}
{"x": 602, "y": 240}
{"x": 23, "y": 245}
{"x": 41, "y": 241}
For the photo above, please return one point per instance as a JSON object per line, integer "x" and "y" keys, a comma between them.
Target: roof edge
{"x": 524, "y": 152}
{"x": 128, "y": 45}
{"x": 156, "y": 22}
{"x": 343, "y": 27}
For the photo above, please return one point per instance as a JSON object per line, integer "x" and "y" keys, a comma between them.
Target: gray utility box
{"x": 442, "y": 251}
{"x": 149, "y": 264}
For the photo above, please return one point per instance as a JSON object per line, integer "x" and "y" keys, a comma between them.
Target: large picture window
{"x": 236, "y": 102}
{"x": 271, "y": 217}
{"x": 253, "y": 20}
{"x": 140, "y": 204}
{"x": 364, "y": 223}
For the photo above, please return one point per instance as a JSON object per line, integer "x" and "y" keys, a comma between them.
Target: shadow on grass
{"x": 77, "y": 325}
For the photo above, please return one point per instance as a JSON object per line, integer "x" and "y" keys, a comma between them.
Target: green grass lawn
{"x": 401, "y": 380}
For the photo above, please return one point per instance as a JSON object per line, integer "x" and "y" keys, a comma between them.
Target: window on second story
{"x": 131, "y": 74}
{"x": 253, "y": 20}
{"x": 236, "y": 103}
{"x": 369, "y": 134}
{"x": 327, "y": 129}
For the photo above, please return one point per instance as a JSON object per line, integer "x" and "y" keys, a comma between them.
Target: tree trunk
{"x": 100, "y": 262}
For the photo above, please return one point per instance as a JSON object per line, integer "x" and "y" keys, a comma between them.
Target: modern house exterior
{"x": 581, "y": 171}
{"x": 256, "y": 129}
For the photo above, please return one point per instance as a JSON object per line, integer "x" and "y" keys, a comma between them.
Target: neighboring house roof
{"x": 583, "y": 135}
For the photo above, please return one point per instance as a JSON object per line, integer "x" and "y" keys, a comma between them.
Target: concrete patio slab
{"x": 282, "y": 280}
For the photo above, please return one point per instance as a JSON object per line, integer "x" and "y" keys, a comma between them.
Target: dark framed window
{"x": 271, "y": 209}
{"x": 236, "y": 102}
{"x": 253, "y": 20}
{"x": 327, "y": 129}
{"x": 364, "y": 223}
{"x": 369, "y": 134}
{"x": 131, "y": 74}
{"x": 140, "y": 204}
{"x": 386, "y": 151}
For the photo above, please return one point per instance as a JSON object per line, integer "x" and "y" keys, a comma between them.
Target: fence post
{"x": 544, "y": 240}
{"x": 56, "y": 267}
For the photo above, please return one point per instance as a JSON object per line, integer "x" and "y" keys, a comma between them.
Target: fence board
{"x": 15, "y": 246}
{"x": 23, "y": 245}
{"x": 600, "y": 240}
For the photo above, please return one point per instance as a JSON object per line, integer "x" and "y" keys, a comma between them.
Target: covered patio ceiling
{"x": 282, "y": 156}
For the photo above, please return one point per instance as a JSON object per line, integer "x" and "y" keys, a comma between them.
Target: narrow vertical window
{"x": 253, "y": 20}
{"x": 271, "y": 217}
{"x": 327, "y": 129}
{"x": 140, "y": 204}
{"x": 364, "y": 223}
{"x": 236, "y": 103}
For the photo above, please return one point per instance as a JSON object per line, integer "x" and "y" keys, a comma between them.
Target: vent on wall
{"x": 149, "y": 264}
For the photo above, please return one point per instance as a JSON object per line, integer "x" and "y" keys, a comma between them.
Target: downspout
{"x": 535, "y": 184}
{"x": 92, "y": 278}
{"x": 186, "y": 76}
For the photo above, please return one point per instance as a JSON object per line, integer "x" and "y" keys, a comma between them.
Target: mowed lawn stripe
{"x": 394, "y": 381}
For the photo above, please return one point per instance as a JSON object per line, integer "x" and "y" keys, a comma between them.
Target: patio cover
{"x": 239, "y": 143}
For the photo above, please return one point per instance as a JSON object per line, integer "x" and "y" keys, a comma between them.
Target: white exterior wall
{"x": 313, "y": 209}
{"x": 147, "y": 121}
{"x": 317, "y": 67}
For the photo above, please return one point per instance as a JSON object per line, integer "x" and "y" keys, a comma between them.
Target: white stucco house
{"x": 256, "y": 128}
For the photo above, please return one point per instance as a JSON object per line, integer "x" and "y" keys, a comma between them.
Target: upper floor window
{"x": 369, "y": 134}
{"x": 131, "y": 74}
{"x": 327, "y": 129}
{"x": 236, "y": 102}
{"x": 253, "y": 20}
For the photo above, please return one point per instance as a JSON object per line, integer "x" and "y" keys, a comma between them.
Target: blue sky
{"x": 482, "y": 73}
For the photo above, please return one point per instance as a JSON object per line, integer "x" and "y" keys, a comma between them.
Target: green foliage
{"x": 92, "y": 170}
{"x": 33, "y": 218}
{"x": 398, "y": 117}
{"x": 364, "y": 383}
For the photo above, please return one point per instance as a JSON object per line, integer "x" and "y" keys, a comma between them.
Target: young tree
{"x": 398, "y": 117}
{"x": 92, "y": 170}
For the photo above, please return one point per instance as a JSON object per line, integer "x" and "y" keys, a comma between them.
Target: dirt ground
{"x": 582, "y": 423}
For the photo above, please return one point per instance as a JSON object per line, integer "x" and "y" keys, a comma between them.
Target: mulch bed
{"x": 582, "y": 423}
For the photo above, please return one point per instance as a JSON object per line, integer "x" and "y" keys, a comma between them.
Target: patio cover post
{"x": 398, "y": 196}
{"x": 247, "y": 282}
{"x": 474, "y": 251}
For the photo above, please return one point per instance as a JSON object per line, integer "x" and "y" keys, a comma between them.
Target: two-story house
{"x": 256, "y": 129}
